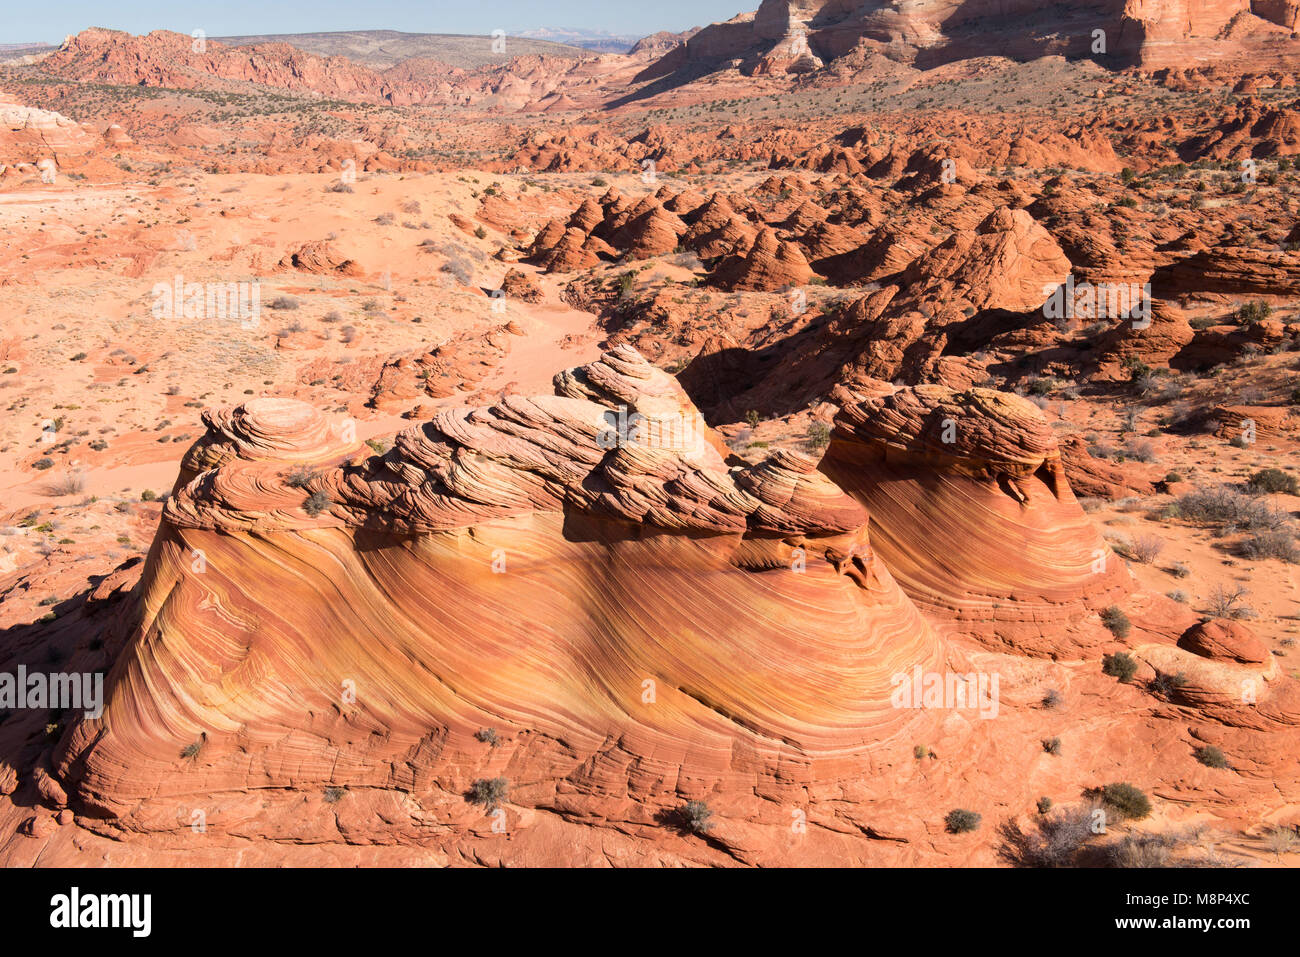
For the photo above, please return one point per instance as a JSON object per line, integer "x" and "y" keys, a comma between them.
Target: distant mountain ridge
{"x": 598, "y": 41}
{"x": 380, "y": 49}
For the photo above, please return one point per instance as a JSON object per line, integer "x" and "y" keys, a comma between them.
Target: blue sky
{"x": 51, "y": 22}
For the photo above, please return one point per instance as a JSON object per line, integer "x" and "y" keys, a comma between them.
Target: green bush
{"x": 1118, "y": 623}
{"x": 819, "y": 435}
{"x": 1275, "y": 481}
{"x": 1127, "y": 800}
{"x": 1120, "y": 665}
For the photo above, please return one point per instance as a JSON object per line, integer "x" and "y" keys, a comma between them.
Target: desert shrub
{"x": 1052, "y": 699}
{"x": 695, "y": 817}
{"x": 480, "y": 233}
{"x": 339, "y": 187}
{"x": 1180, "y": 570}
{"x": 819, "y": 435}
{"x": 1126, "y": 800}
{"x": 487, "y": 736}
{"x": 1229, "y": 509}
{"x": 316, "y": 503}
{"x": 489, "y": 792}
{"x": 1253, "y": 312}
{"x": 1279, "y": 543}
{"x": 1166, "y": 685}
{"x": 1052, "y": 745}
{"x": 459, "y": 268}
{"x": 1056, "y": 840}
{"x": 284, "y": 302}
{"x": 1211, "y": 757}
{"x": 385, "y": 219}
{"x": 1146, "y": 850}
{"x": 920, "y": 751}
{"x": 148, "y": 495}
{"x": 1179, "y": 596}
{"x": 960, "y": 820}
{"x": 1118, "y": 623}
{"x": 1120, "y": 665}
{"x": 332, "y": 795}
{"x": 1141, "y": 450}
{"x": 301, "y": 477}
{"x": 1280, "y": 840}
{"x": 70, "y": 484}
{"x": 1274, "y": 480}
{"x": 1145, "y": 549}
{"x": 42, "y": 464}
{"x": 1225, "y": 601}
{"x": 192, "y": 750}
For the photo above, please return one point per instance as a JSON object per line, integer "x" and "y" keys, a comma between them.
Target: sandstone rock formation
{"x": 449, "y": 583}
{"x": 976, "y": 517}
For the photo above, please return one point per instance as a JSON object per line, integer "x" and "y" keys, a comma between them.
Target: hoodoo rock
{"x": 769, "y": 265}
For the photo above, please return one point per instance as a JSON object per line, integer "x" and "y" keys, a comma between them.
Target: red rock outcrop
{"x": 976, "y": 516}
{"x": 768, "y": 265}
{"x": 357, "y": 618}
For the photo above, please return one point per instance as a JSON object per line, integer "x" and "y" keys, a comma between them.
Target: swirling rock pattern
{"x": 973, "y": 513}
{"x": 580, "y": 572}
